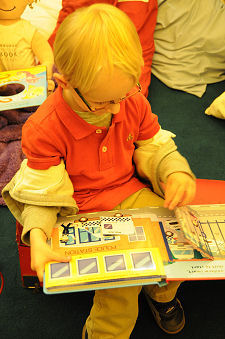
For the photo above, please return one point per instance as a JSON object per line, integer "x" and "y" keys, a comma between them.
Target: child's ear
{"x": 60, "y": 79}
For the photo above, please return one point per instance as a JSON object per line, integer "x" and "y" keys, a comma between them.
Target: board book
{"x": 137, "y": 247}
{"x": 103, "y": 256}
{"x": 23, "y": 88}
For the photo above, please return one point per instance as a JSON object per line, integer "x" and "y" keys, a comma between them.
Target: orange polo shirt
{"x": 99, "y": 161}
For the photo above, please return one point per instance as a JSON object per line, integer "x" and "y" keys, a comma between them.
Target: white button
{"x": 98, "y": 131}
{"x": 104, "y": 149}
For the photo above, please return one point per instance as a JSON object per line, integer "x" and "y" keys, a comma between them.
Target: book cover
{"x": 103, "y": 256}
{"x": 23, "y": 88}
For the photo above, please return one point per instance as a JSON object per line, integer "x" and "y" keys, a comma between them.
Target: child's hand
{"x": 180, "y": 190}
{"x": 50, "y": 82}
{"x": 41, "y": 253}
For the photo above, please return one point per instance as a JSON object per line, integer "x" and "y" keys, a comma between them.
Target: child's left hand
{"x": 180, "y": 190}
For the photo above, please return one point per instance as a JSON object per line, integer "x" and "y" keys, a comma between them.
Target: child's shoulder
{"x": 45, "y": 115}
{"x": 138, "y": 104}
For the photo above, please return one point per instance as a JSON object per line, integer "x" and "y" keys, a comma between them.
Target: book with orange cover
{"x": 108, "y": 249}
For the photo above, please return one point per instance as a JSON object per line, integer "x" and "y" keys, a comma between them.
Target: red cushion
{"x": 209, "y": 192}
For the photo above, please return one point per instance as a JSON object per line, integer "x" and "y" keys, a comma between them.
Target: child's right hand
{"x": 41, "y": 253}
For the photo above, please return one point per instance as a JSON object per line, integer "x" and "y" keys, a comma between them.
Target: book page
{"x": 204, "y": 227}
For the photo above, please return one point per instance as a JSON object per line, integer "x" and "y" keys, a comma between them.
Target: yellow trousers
{"x": 114, "y": 311}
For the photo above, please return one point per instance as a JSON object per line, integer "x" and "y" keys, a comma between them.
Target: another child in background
{"x": 86, "y": 147}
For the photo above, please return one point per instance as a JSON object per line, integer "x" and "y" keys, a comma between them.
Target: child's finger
{"x": 175, "y": 197}
{"x": 54, "y": 257}
{"x": 59, "y": 257}
{"x": 175, "y": 202}
{"x": 170, "y": 192}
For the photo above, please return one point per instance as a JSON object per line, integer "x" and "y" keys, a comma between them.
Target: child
{"x": 85, "y": 146}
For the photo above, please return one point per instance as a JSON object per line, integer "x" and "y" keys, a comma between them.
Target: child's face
{"x": 105, "y": 95}
{"x": 12, "y": 9}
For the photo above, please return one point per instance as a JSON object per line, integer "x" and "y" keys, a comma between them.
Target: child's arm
{"x": 41, "y": 217}
{"x": 41, "y": 253}
{"x": 42, "y": 50}
{"x": 158, "y": 160}
{"x": 47, "y": 193}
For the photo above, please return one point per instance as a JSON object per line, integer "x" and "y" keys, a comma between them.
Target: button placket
{"x": 105, "y": 153}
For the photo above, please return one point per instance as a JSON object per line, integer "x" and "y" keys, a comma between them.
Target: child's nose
{"x": 113, "y": 108}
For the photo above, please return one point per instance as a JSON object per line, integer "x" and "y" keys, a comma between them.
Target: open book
{"x": 136, "y": 247}
{"x": 23, "y": 88}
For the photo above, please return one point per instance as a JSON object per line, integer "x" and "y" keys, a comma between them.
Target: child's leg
{"x": 163, "y": 294}
{"x": 144, "y": 198}
{"x": 114, "y": 313}
{"x": 166, "y": 309}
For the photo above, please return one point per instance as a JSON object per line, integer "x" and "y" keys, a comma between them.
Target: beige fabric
{"x": 190, "y": 44}
{"x": 36, "y": 197}
{"x": 41, "y": 186}
{"x": 164, "y": 160}
{"x": 18, "y": 52}
{"x": 217, "y": 107}
{"x": 40, "y": 217}
{"x": 43, "y": 15}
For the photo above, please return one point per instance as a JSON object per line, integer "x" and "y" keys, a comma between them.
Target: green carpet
{"x": 26, "y": 314}
{"x": 200, "y": 138}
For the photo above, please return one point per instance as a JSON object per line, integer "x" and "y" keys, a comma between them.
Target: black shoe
{"x": 168, "y": 316}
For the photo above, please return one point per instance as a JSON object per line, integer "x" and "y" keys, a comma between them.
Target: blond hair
{"x": 93, "y": 38}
